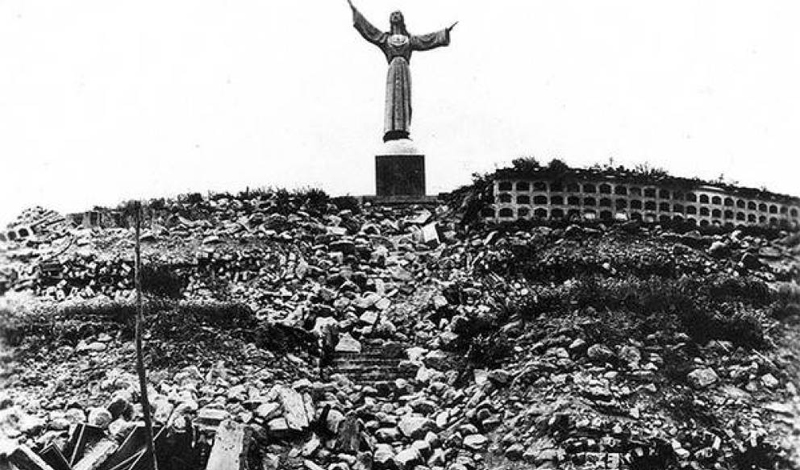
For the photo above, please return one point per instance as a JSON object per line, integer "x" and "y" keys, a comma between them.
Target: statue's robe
{"x": 397, "y": 48}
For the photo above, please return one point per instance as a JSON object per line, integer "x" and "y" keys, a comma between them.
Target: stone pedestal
{"x": 400, "y": 170}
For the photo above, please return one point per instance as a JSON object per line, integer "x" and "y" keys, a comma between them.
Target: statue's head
{"x": 397, "y": 18}
{"x": 398, "y": 23}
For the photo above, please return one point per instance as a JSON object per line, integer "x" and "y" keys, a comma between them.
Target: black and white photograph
{"x": 399, "y": 235}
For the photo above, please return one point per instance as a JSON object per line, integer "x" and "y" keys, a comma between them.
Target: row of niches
{"x": 651, "y": 205}
{"x": 727, "y": 218}
{"x": 16, "y": 234}
{"x": 619, "y": 190}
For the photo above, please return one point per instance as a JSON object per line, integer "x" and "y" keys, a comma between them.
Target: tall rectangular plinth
{"x": 400, "y": 175}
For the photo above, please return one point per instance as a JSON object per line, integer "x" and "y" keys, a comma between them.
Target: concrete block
{"x": 400, "y": 175}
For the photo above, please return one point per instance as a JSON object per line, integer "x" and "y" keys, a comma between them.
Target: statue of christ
{"x": 397, "y": 45}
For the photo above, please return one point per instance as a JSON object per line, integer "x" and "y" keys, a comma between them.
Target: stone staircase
{"x": 378, "y": 364}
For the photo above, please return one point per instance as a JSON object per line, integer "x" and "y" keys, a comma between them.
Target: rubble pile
{"x": 425, "y": 343}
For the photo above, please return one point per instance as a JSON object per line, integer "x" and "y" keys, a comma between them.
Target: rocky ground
{"x": 316, "y": 333}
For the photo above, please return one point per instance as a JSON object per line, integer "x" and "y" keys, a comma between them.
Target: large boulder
{"x": 600, "y": 353}
{"x": 100, "y": 417}
{"x": 348, "y": 344}
{"x": 475, "y": 442}
{"x": 383, "y": 457}
{"x": 415, "y": 427}
{"x": 407, "y": 459}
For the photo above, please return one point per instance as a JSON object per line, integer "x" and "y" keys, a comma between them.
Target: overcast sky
{"x": 102, "y": 101}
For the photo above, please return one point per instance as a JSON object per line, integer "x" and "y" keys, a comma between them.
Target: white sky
{"x": 102, "y": 101}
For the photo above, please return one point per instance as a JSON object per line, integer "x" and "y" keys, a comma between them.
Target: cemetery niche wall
{"x": 579, "y": 194}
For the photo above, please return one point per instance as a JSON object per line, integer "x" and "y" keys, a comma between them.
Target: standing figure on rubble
{"x": 397, "y": 46}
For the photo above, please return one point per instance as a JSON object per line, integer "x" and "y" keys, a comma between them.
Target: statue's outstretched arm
{"x": 367, "y": 30}
{"x": 429, "y": 41}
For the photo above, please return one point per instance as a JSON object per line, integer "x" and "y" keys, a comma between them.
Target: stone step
{"x": 365, "y": 362}
{"x": 357, "y": 367}
{"x": 372, "y": 366}
{"x": 368, "y": 370}
{"x": 375, "y": 354}
{"x": 372, "y": 379}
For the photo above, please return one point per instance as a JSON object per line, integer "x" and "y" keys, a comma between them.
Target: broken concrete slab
{"x": 294, "y": 409}
{"x": 231, "y": 445}
{"x": 278, "y": 428}
{"x": 429, "y": 235}
{"x": 268, "y": 411}
{"x": 210, "y": 418}
{"x": 348, "y": 344}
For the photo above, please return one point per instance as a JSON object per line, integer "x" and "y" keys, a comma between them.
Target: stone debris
{"x": 702, "y": 378}
{"x": 395, "y": 338}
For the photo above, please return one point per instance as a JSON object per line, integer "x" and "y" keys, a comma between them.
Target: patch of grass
{"x": 787, "y": 301}
{"x": 711, "y": 307}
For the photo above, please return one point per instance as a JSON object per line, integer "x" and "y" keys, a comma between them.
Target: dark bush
{"x": 281, "y": 338}
{"x": 489, "y": 351}
{"x": 347, "y": 203}
{"x": 162, "y": 281}
{"x": 191, "y": 198}
{"x": 157, "y": 204}
{"x": 545, "y": 302}
{"x": 221, "y": 195}
{"x": 317, "y": 200}
{"x": 525, "y": 164}
{"x": 746, "y": 289}
{"x": 713, "y": 307}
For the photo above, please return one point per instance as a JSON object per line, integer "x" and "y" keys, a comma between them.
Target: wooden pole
{"x": 148, "y": 424}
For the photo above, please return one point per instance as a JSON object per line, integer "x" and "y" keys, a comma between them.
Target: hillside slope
{"x": 382, "y": 337}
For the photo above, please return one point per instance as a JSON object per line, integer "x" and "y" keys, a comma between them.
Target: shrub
{"x": 283, "y": 201}
{"x": 317, "y": 199}
{"x": 162, "y": 281}
{"x": 525, "y": 164}
{"x": 191, "y": 198}
{"x": 221, "y": 195}
{"x": 558, "y": 166}
{"x": 158, "y": 204}
{"x": 712, "y": 307}
{"x": 787, "y": 301}
{"x": 347, "y": 203}
{"x": 489, "y": 351}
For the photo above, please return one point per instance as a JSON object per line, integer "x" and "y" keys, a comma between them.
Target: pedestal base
{"x": 400, "y": 175}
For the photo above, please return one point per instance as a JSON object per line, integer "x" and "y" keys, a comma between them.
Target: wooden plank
{"x": 96, "y": 455}
{"x": 82, "y": 437}
{"x": 130, "y": 446}
{"x": 128, "y": 463}
{"x": 142, "y": 461}
{"x": 52, "y": 456}
{"x": 25, "y": 459}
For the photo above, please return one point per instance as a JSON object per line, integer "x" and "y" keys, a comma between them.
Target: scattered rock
{"x": 702, "y": 378}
